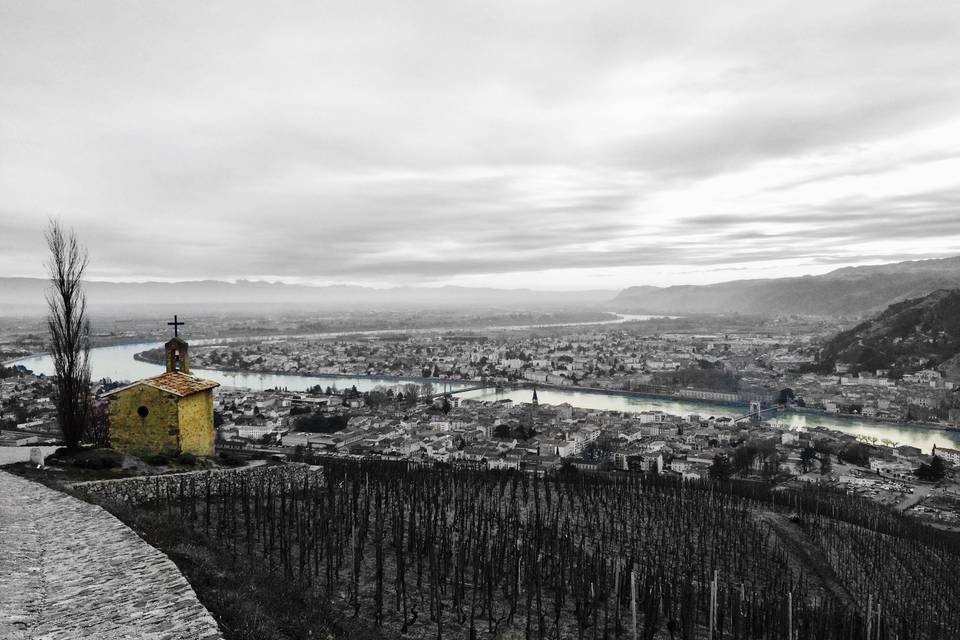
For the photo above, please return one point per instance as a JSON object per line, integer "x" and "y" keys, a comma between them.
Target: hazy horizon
{"x": 388, "y": 287}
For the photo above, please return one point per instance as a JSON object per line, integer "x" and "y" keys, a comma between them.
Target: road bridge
{"x": 456, "y": 391}
{"x": 757, "y": 413}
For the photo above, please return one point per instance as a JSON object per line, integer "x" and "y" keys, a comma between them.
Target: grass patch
{"x": 85, "y": 458}
{"x": 59, "y": 477}
{"x": 158, "y": 460}
{"x": 64, "y": 467}
{"x": 228, "y": 459}
{"x": 186, "y": 459}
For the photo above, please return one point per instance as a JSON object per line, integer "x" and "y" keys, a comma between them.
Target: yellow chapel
{"x": 171, "y": 413}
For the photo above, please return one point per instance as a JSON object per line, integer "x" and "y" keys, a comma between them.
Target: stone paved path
{"x": 69, "y": 569}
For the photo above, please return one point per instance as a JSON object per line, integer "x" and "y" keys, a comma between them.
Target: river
{"x": 118, "y": 363}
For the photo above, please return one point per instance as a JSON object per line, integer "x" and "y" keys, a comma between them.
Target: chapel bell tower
{"x": 177, "y": 359}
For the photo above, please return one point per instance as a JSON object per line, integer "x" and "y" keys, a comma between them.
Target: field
{"x": 397, "y": 550}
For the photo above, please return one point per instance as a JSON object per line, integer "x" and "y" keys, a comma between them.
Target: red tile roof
{"x": 175, "y": 382}
{"x": 179, "y": 383}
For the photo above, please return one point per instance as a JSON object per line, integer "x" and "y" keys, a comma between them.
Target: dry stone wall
{"x": 189, "y": 486}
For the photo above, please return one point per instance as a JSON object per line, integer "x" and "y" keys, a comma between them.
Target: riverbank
{"x": 119, "y": 363}
{"x": 638, "y": 395}
{"x": 634, "y": 394}
{"x": 399, "y": 379}
{"x": 853, "y": 416}
{"x": 794, "y": 410}
{"x": 403, "y": 378}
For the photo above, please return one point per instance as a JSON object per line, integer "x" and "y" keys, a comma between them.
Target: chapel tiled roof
{"x": 179, "y": 383}
{"x": 175, "y": 382}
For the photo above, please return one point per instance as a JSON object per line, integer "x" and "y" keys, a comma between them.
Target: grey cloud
{"x": 765, "y": 129}
{"x": 380, "y": 142}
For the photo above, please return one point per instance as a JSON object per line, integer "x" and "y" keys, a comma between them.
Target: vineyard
{"x": 419, "y": 552}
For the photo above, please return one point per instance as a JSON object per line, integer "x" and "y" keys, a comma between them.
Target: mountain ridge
{"x": 847, "y": 291}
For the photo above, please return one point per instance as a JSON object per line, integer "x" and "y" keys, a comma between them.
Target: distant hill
{"x": 26, "y": 296}
{"x": 851, "y": 291}
{"x": 907, "y": 336}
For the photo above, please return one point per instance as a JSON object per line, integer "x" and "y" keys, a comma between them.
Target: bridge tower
{"x": 755, "y": 412}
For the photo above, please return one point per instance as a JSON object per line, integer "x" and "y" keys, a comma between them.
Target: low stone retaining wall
{"x": 195, "y": 484}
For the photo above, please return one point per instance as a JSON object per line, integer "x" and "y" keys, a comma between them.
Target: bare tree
{"x": 69, "y": 331}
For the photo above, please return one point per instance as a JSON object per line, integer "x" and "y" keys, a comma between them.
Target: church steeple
{"x": 532, "y": 411}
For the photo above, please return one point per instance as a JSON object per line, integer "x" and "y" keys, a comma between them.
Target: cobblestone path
{"x": 69, "y": 569}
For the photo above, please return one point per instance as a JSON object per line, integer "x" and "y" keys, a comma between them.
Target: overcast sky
{"x": 557, "y": 144}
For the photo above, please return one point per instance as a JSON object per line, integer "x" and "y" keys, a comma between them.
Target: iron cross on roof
{"x": 176, "y": 325}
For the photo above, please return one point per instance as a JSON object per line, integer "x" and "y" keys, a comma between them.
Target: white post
{"x": 716, "y": 594}
{"x": 617, "y": 591}
{"x": 789, "y": 615}
{"x": 713, "y": 606}
{"x": 878, "y": 620}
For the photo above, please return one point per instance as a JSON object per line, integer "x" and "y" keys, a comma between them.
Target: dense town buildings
{"x": 718, "y": 368}
{"x": 417, "y": 421}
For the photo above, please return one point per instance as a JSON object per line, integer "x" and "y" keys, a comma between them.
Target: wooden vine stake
{"x": 713, "y": 603}
{"x": 789, "y": 615}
